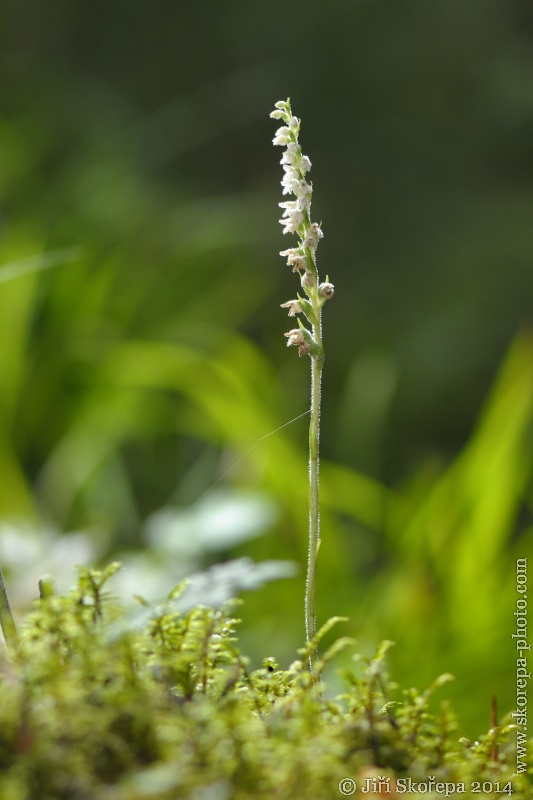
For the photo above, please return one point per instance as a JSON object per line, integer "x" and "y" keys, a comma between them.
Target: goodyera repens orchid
{"x": 296, "y": 218}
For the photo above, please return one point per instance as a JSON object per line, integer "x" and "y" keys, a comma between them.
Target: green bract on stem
{"x": 296, "y": 218}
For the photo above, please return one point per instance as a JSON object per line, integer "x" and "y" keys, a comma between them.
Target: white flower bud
{"x": 308, "y": 279}
{"x": 326, "y": 290}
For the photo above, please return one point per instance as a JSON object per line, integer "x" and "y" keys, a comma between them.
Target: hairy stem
{"x": 314, "y": 500}
{"x": 6, "y": 617}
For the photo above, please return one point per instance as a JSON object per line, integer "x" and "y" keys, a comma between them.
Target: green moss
{"x": 94, "y": 708}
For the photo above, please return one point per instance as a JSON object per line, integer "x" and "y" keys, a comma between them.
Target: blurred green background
{"x": 141, "y": 339}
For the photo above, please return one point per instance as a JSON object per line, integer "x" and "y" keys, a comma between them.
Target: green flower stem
{"x": 317, "y": 362}
{"x": 6, "y": 617}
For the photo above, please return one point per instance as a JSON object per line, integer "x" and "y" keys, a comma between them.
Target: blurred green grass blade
{"x": 451, "y": 578}
{"x": 15, "y": 495}
{"x": 133, "y": 383}
{"x": 357, "y": 495}
{"x": 39, "y": 262}
{"x": 475, "y": 502}
{"x": 7, "y": 622}
{"x": 493, "y": 476}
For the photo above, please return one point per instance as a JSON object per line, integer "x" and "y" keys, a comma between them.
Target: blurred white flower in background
{"x": 28, "y": 553}
{"x": 179, "y": 542}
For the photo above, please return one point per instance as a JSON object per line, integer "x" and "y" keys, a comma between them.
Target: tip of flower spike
{"x": 281, "y": 110}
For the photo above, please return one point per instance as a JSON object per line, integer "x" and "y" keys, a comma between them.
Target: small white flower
{"x": 294, "y": 122}
{"x": 291, "y": 154}
{"x": 298, "y": 264}
{"x": 282, "y": 137}
{"x": 295, "y": 259}
{"x": 289, "y": 183}
{"x": 296, "y": 217}
{"x": 292, "y": 214}
{"x": 304, "y": 203}
{"x": 303, "y": 188}
{"x": 313, "y": 234}
{"x": 290, "y": 253}
{"x": 303, "y": 193}
{"x": 315, "y": 230}
{"x": 291, "y": 172}
{"x": 278, "y": 114}
{"x": 297, "y": 338}
{"x": 292, "y": 222}
{"x": 304, "y": 164}
{"x": 294, "y": 308}
{"x": 289, "y": 206}
{"x": 288, "y": 158}
{"x": 281, "y": 104}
